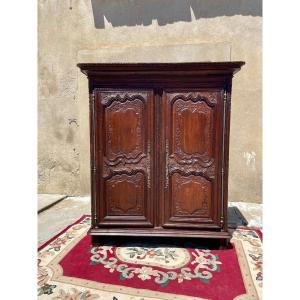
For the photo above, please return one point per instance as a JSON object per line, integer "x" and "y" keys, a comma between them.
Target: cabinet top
{"x": 199, "y": 68}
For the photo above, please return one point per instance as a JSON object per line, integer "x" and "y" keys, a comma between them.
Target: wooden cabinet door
{"x": 192, "y": 150}
{"x": 124, "y": 149}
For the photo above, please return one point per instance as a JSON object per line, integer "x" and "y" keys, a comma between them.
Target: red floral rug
{"x": 70, "y": 268}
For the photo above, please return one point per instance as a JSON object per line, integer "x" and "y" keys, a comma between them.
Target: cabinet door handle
{"x": 148, "y": 165}
{"x": 167, "y": 165}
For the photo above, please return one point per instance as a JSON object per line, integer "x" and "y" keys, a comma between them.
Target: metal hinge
{"x": 92, "y": 98}
{"x": 222, "y": 220}
{"x": 225, "y": 96}
{"x": 95, "y": 220}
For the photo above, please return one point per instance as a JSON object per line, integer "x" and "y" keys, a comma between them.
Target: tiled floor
{"x": 45, "y": 201}
{"x": 251, "y": 211}
{"x": 57, "y": 217}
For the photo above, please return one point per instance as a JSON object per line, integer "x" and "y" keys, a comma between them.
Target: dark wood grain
{"x": 159, "y": 140}
{"x": 124, "y": 153}
{"x": 192, "y": 142}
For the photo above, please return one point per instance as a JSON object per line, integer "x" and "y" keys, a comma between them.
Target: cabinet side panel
{"x": 93, "y": 162}
{"x": 226, "y": 135}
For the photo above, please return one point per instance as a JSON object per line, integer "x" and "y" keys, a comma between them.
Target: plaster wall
{"x": 109, "y": 31}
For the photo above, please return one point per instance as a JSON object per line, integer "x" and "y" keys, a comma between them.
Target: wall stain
{"x": 48, "y": 82}
{"x": 70, "y": 136}
{"x": 58, "y": 135}
{"x": 250, "y": 159}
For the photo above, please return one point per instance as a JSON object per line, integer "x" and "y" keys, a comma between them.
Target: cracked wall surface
{"x": 68, "y": 35}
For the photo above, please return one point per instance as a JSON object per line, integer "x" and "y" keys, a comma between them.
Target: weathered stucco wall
{"x": 105, "y": 31}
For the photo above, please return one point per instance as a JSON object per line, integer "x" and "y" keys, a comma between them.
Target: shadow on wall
{"x": 142, "y": 12}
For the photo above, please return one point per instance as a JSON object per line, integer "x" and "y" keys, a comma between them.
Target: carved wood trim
{"x": 191, "y": 160}
{"x": 123, "y": 159}
{"x": 148, "y": 165}
{"x": 132, "y": 206}
{"x": 208, "y": 173}
{"x": 180, "y": 107}
{"x": 210, "y": 98}
{"x": 180, "y": 211}
{"x": 107, "y": 100}
{"x": 111, "y": 112}
{"x": 167, "y": 165}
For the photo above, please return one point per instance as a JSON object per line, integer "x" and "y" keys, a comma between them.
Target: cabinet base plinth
{"x": 97, "y": 232}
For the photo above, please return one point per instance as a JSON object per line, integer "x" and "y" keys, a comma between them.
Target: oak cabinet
{"x": 159, "y": 140}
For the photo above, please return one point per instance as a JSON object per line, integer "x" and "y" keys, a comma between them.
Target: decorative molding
{"x": 109, "y": 172}
{"x": 167, "y": 165}
{"x": 187, "y": 110}
{"x": 186, "y": 208}
{"x": 191, "y": 160}
{"x": 130, "y": 116}
{"x": 148, "y": 165}
{"x": 207, "y": 173}
{"x": 108, "y": 99}
{"x": 209, "y": 97}
{"x": 130, "y": 203}
{"x": 124, "y": 159}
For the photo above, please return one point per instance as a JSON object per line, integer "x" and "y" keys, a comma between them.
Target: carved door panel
{"x": 124, "y": 152}
{"x": 192, "y": 125}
